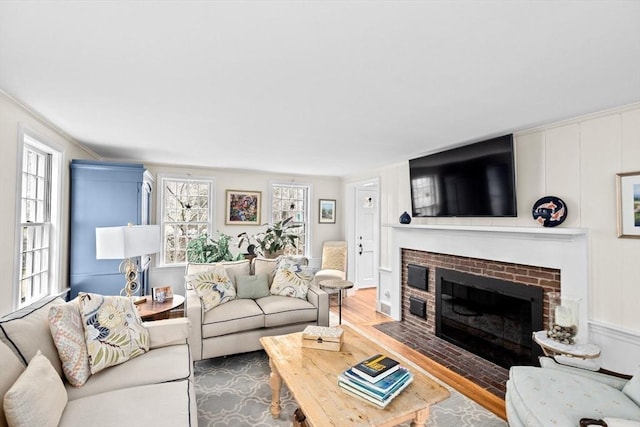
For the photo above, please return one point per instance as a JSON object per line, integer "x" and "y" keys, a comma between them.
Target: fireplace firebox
{"x": 490, "y": 317}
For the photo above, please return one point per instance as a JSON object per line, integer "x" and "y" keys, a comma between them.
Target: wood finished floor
{"x": 359, "y": 310}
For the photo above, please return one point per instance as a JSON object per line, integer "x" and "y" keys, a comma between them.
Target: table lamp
{"x": 127, "y": 242}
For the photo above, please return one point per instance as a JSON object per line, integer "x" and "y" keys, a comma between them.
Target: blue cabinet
{"x": 103, "y": 194}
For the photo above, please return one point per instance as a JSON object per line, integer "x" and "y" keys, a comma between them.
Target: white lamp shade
{"x": 126, "y": 242}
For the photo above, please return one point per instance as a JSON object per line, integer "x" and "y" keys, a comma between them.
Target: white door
{"x": 366, "y": 236}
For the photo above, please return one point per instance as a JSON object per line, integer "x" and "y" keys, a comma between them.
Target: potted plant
{"x": 204, "y": 249}
{"x": 271, "y": 242}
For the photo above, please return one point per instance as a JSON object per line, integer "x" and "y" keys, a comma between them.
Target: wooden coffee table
{"x": 312, "y": 377}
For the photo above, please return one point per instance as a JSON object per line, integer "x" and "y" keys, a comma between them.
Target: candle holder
{"x": 563, "y": 318}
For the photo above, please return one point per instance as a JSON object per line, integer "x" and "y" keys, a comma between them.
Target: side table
{"x": 154, "y": 310}
{"x": 339, "y": 285}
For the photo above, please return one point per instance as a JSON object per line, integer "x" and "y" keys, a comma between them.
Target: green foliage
{"x": 204, "y": 249}
{"x": 276, "y": 237}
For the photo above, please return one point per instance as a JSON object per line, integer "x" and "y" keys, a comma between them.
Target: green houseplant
{"x": 271, "y": 242}
{"x": 204, "y": 249}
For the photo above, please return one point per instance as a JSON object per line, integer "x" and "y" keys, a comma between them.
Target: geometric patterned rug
{"x": 234, "y": 391}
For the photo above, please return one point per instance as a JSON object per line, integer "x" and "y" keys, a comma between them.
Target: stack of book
{"x": 378, "y": 380}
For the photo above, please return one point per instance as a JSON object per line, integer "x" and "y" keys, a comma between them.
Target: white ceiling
{"x": 312, "y": 87}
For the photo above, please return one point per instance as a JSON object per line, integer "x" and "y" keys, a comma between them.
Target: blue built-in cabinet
{"x": 103, "y": 194}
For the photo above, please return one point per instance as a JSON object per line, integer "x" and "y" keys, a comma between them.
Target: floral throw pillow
{"x": 68, "y": 336}
{"x": 113, "y": 330}
{"x": 290, "y": 280}
{"x": 214, "y": 287}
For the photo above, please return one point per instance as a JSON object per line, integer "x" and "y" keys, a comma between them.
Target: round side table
{"x": 337, "y": 285}
{"x": 154, "y": 310}
{"x": 553, "y": 348}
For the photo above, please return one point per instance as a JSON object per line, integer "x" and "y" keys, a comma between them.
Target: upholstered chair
{"x": 334, "y": 262}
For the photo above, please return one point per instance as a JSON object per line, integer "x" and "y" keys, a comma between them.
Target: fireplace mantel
{"x": 561, "y": 248}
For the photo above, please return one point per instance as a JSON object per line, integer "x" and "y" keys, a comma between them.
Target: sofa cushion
{"x": 290, "y": 280}
{"x": 252, "y": 286}
{"x": 265, "y": 266}
{"x": 544, "y": 397}
{"x": 279, "y": 310}
{"x": 12, "y": 368}
{"x": 158, "y": 405}
{"x": 235, "y": 316}
{"x": 632, "y": 388}
{"x": 214, "y": 287}
{"x": 113, "y": 330}
{"x": 67, "y": 331}
{"x": 233, "y": 268}
{"x": 27, "y": 330}
{"x": 37, "y": 398}
{"x": 159, "y": 365}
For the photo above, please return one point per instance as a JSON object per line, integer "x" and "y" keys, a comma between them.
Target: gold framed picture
{"x": 242, "y": 207}
{"x": 628, "y": 189}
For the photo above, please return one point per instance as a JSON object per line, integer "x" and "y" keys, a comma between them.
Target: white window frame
{"x": 160, "y": 261}
{"x": 28, "y": 137}
{"x": 308, "y": 212}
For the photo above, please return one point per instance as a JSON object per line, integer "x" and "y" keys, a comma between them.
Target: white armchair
{"x": 334, "y": 262}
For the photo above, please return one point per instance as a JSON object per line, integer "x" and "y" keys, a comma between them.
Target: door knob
{"x": 360, "y": 246}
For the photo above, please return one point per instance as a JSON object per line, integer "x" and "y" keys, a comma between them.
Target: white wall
{"x": 11, "y": 116}
{"x": 576, "y": 160}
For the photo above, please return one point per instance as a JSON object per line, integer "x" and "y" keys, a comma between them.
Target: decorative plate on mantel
{"x": 549, "y": 211}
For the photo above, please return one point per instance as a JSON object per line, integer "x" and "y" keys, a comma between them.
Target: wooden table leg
{"x": 276, "y": 384}
{"x": 421, "y": 418}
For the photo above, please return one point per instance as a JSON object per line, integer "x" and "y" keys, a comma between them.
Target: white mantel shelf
{"x": 548, "y": 232}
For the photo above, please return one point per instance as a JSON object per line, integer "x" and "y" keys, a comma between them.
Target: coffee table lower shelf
{"x": 311, "y": 376}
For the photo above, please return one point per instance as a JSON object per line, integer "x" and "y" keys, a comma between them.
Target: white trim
{"x": 310, "y": 214}
{"x": 622, "y": 345}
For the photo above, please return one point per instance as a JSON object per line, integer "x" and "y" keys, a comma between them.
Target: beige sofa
{"x": 237, "y": 326}
{"x": 154, "y": 389}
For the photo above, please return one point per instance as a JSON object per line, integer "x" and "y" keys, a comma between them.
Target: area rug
{"x": 234, "y": 391}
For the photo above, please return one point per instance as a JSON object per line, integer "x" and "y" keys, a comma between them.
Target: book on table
{"x": 376, "y": 367}
{"x": 379, "y": 399}
{"x": 382, "y": 386}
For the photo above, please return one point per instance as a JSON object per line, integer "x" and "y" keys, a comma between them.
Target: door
{"x": 366, "y": 235}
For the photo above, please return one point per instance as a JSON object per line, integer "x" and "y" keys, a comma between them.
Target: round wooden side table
{"x": 339, "y": 285}
{"x": 154, "y": 310}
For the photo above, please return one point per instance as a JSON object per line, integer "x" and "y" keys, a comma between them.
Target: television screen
{"x": 472, "y": 180}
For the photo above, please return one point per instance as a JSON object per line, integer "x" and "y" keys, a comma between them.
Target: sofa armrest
{"x": 320, "y": 299}
{"x": 167, "y": 332}
{"x": 610, "y": 380}
{"x": 193, "y": 312}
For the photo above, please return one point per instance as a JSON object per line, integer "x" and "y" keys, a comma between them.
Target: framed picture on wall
{"x": 628, "y": 186}
{"x": 242, "y": 207}
{"x": 327, "y": 211}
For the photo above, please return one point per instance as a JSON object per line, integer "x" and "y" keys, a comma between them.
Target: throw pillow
{"x": 68, "y": 336}
{"x": 37, "y": 398}
{"x": 214, "y": 287}
{"x": 632, "y": 388}
{"x": 113, "y": 330}
{"x": 252, "y": 287}
{"x": 291, "y": 280}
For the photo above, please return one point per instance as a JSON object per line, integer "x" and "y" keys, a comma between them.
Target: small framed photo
{"x": 165, "y": 291}
{"x": 628, "y": 186}
{"x": 327, "y": 211}
{"x": 242, "y": 207}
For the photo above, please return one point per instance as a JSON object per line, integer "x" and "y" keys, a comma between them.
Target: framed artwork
{"x": 628, "y": 186}
{"x": 242, "y": 207}
{"x": 327, "y": 211}
{"x": 165, "y": 292}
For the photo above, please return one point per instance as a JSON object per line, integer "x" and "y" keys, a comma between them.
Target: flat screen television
{"x": 475, "y": 180}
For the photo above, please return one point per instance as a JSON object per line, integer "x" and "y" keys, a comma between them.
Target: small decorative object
{"x": 322, "y": 337}
{"x": 243, "y": 207}
{"x": 405, "y": 218}
{"x": 327, "y": 211}
{"x": 628, "y": 185}
{"x": 549, "y": 211}
{"x": 161, "y": 293}
{"x": 563, "y": 318}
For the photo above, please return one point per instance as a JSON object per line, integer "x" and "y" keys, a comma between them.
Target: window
{"x": 292, "y": 201}
{"x": 38, "y": 215}
{"x": 425, "y": 195}
{"x": 186, "y": 211}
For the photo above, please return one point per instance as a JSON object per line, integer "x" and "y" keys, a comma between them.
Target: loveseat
{"x": 236, "y": 323}
{"x": 152, "y": 389}
{"x": 561, "y": 395}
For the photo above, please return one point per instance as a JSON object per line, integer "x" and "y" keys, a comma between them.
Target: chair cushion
{"x": 113, "y": 330}
{"x": 290, "y": 280}
{"x": 213, "y": 286}
{"x": 67, "y": 331}
{"x": 252, "y": 286}
{"x": 279, "y": 310}
{"x": 235, "y": 316}
{"x": 322, "y": 275}
{"x": 544, "y": 397}
{"x": 334, "y": 258}
{"x": 37, "y": 398}
{"x": 632, "y": 388}
{"x": 27, "y": 330}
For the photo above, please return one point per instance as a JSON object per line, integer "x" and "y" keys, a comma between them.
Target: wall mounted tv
{"x": 476, "y": 180}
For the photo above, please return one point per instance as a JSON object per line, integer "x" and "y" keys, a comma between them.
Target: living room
{"x": 573, "y": 153}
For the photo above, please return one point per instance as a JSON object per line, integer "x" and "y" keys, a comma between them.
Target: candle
{"x": 563, "y": 316}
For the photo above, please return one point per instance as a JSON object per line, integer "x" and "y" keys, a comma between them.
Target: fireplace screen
{"x": 489, "y": 317}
